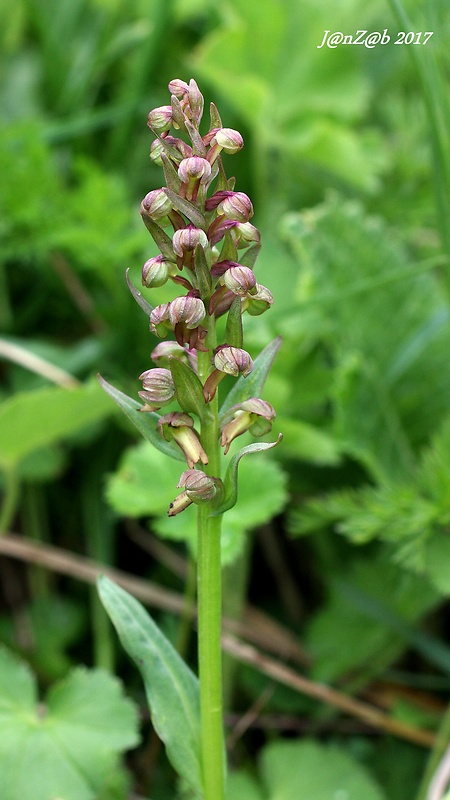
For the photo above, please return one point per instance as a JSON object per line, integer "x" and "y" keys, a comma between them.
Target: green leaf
{"x": 230, "y": 483}
{"x": 202, "y": 272}
{"x": 140, "y": 300}
{"x": 307, "y": 443}
{"x": 36, "y": 419}
{"x": 172, "y": 689}
{"x": 187, "y": 208}
{"x": 188, "y": 388}
{"x": 252, "y": 386}
{"x": 310, "y": 771}
{"x": 242, "y": 786}
{"x": 145, "y": 421}
{"x": 144, "y": 482}
{"x": 161, "y": 239}
{"x": 68, "y": 747}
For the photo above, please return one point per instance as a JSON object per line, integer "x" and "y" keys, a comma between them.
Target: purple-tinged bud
{"x": 178, "y": 87}
{"x": 244, "y": 233}
{"x": 227, "y": 361}
{"x": 160, "y": 119}
{"x": 159, "y": 320}
{"x": 255, "y": 304}
{"x": 184, "y": 149}
{"x": 229, "y": 140}
{"x": 252, "y": 415}
{"x": 189, "y": 310}
{"x": 178, "y": 426}
{"x": 233, "y": 360}
{"x": 198, "y": 488}
{"x": 156, "y": 204}
{"x": 185, "y": 241}
{"x": 233, "y": 205}
{"x": 194, "y": 172}
{"x": 155, "y": 271}
{"x": 165, "y": 350}
{"x": 226, "y": 139}
{"x": 158, "y": 388}
{"x": 240, "y": 280}
{"x": 194, "y": 168}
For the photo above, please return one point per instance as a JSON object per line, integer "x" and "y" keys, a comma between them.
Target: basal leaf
{"x": 311, "y": 771}
{"x": 67, "y": 747}
{"x": 252, "y": 385}
{"x": 172, "y": 689}
{"x": 145, "y": 422}
{"x": 36, "y": 419}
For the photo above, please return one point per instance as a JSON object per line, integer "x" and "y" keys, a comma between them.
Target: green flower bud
{"x": 155, "y": 271}
{"x": 240, "y": 280}
{"x": 160, "y": 119}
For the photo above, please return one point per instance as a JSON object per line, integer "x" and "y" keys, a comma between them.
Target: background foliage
{"x": 345, "y": 540}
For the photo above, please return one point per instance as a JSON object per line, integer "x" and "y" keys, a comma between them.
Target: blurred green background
{"x": 347, "y": 162}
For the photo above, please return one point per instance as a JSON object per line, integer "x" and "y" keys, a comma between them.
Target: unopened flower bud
{"x": 194, "y": 172}
{"x": 252, "y": 415}
{"x": 255, "y": 304}
{"x": 186, "y": 240}
{"x": 178, "y": 426}
{"x": 229, "y": 140}
{"x": 155, "y": 271}
{"x": 158, "y": 388}
{"x": 165, "y": 350}
{"x": 240, "y": 280}
{"x": 233, "y": 360}
{"x": 159, "y": 320}
{"x": 196, "y": 102}
{"x": 160, "y": 119}
{"x": 178, "y": 87}
{"x": 198, "y": 488}
{"x": 233, "y": 205}
{"x": 244, "y": 233}
{"x": 156, "y": 204}
{"x": 189, "y": 310}
{"x": 156, "y": 149}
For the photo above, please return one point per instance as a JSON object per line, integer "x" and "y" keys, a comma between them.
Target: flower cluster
{"x": 208, "y": 247}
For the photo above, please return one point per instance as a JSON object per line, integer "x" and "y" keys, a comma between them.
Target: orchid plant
{"x": 210, "y": 256}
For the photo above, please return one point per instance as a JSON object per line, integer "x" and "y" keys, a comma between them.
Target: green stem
{"x": 209, "y": 599}
{"x": 10, "y": 500}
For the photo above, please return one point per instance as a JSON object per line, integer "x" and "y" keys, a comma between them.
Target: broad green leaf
{"x": 230, "y": 483}
{"x": 67, "y": 747}
{"x": 32, "y": 420}
{"x": 242, "y": 786}
{"x": 144, "y": 483}
{"x": 172, "y": 689}
{"x": 252, "y": 385}
{"x": 145, "y": 422}
{"x": 311, "y": 771}
{"x": 307, "y": 443}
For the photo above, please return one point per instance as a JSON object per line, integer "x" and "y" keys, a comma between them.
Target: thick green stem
{"x": 209, "y": 591}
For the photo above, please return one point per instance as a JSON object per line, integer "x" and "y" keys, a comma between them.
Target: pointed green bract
{"x": 145, "y": 422}
{"x": 233, "y": 333}
{"x": 186, "y": 208}
{"x": 230, "y": 484}
{"x": 160, "y": 238}
{"x": 140, "y": 300}
{"x": 188, "y": 387}
{"x": 172, "y": 689}
{"x": 252, "y": 385}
